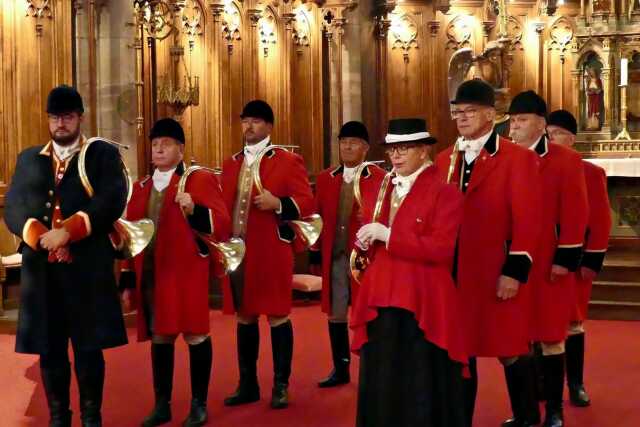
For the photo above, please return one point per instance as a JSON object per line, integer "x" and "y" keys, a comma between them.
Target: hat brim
{"x": 422, "y": 141}
{"x": 472, "y": 101}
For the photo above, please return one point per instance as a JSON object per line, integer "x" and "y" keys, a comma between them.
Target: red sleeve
{"x": 210, "y": 215}
{"x": 438, "y": 243}
{"x": 299, "y": 201}
{"x": 32, "y": 231}
{"x": 599, "y": 225}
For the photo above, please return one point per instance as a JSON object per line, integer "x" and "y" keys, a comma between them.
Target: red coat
{"x": 181, "y": 293}
{"x": 597, "y": 237}
{"x": 268, "y": 260}
{"x": 564, "y": 211}
{"x": 328, "y": 186}
{"x": 497, "y": 236}
{"x": 414, "y": 272}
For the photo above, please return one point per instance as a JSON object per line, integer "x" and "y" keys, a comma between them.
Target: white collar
{"x": 252, "y": 151}
{"x": 404, "y": 183}
{"x": 63, "y": 152}
{"x": 472, "y": 147}
{"x": 348, "y": 174}
{"x": 535, "y": 144}
{"x": 161, "y": 179}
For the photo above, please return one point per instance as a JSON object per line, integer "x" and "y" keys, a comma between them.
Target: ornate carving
{"x": 231, "y": 24}
{"x": 561, "y": 33}
{"x": 191, "y": 19}
{"x": 39, "y": 9}
{"x": 403, "y": 30}
{"x": 156, "y": 17}
{"x": 267, "y": 30}
{"x": 459, "y": 32}
{"x": 382, "y": 27}
{"x": 301, "y": 30}
{"x": 514, "y": 32}
{"x": 629, "y": 211}
{"x": 434, "y": 28}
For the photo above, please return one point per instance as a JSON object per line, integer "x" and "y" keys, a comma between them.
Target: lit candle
{"x": 624, "y": 76}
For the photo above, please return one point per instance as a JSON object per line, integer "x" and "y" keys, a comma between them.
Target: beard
{"x": 67, "y": 138}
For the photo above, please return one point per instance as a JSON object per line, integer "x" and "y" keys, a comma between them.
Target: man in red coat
{"x": 406, "y": 324}
{"x": 564, "y": 213}
{"x": 262, "y": 284}
{"x": 562, "y": 129}
{"x": 171, "y": 276}
{"x": 496, "y": 244}
{"x": 341, "y": 216}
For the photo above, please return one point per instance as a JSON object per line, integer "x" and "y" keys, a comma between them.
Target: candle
{"x": 624, "y": 76}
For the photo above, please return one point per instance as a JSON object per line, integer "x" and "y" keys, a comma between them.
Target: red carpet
{"x": 613, "y": 380}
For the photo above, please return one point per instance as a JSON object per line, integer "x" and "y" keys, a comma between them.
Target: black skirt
{"x": 405, "y": 380}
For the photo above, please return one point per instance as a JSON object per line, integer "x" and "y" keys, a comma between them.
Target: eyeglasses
{"x": 467, "y": 112}
{"x": 400, "y": 149}
{"x": 65, "y": 118}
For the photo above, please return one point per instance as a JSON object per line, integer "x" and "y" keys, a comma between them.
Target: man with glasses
{"x": 341, "y": 216}
{"x": 563, "y": 221}
{"x": 405, "y": 321}
{"x": 496, "y": 244}
{"x": 68, "y": 289}
{"x": 562, "y": 129}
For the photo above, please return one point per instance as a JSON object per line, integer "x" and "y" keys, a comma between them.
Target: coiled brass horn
{"x": 308, "y": 229}
{"x": 229, "y": 253}
{"x": 134, "y": 236}
{"x": 359, "y": 259}
{"x": 453, "y": 159}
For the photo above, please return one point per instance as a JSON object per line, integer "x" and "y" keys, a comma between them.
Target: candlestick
{"x": 624, "y": 71}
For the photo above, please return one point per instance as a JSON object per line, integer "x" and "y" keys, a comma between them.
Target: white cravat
{"x": 252, "y": 151}
{"x": 403, "y": 183}
{"x": 348, "y": 174}
{"x": 472, "y": 147}
{"x": 161, "y": 179}
{"x": 63, "y": 152}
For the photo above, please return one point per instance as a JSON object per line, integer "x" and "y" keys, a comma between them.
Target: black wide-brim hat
{"x": 167, "y": 128}
{"x": 64, "y": 99}
{"x": 258, "y": 109}
{"x": 563, "y": 119}
{"x": 475, "y": 92}
{"x": 528, "y": 102}
{"x": 354, "y": 129}
{"x": 408, "y": 131}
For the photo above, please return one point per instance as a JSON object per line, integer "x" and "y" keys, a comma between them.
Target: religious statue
{"x": 594, "y": 96}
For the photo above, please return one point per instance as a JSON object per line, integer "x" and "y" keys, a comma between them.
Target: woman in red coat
{"x": 171, "y": 276}
{"x": 405, "y": 320}
{"x": 562, "y": 128}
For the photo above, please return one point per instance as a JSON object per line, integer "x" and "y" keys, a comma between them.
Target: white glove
{"x": 371, "y": 232}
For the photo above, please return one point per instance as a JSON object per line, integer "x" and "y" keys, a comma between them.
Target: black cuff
{"x": 517, "y": 266}
{"x": 289, "y": 209}
{"x": 593, "y": 260}
{"x": 286, "y": 233}
{"x": 315, "y": 257}
{"x": 127, "y": 280}
{"x": 200, "y": 220}
{"x": 568, "y": 258}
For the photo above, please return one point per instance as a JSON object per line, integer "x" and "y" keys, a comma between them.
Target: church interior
{"x": 320, "y": 64}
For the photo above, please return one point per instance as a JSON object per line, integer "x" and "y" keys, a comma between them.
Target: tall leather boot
{"x": 554, "y": 386}
{"x": 339, "y": 337}
{"x": 282, "y": 348}
{"x": 162, "y": 360}
{"x": 56, "y": 378}
{"x": 89, "y": 367}
{"x": 538, "y": 372}
{"x": 469, "y": 391}
{"x": 248, "y": 341}
{"x": 200, "y": 362}
{"x": 519, "y": 376}
{"x": 575, "y": 368}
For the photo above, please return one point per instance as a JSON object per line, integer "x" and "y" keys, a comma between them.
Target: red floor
{"x": 613, "y": 380}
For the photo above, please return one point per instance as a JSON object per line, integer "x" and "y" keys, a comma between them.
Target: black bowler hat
{"x": 64, "y": 99}
{"x": 563, "y": 119}
{"x": 475, "y": 92}
{"x": 167, "y": 128}
{"x": 408, "y": 131}
{"x": 258, "y": 109}
{"x": 354, "y": 129}
{"x": 528, "y": 102}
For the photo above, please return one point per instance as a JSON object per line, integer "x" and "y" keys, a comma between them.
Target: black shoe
{"x": 160, "y": 415}
{"x": 512, "y": 422}
{"x": 248, "y": 342}
{"x": 197, "y": 415}
{"x": 339, "y": 337}
{"x": 279, "y": 396}
{"x": 578, "y": 396}
{"x": 553, "y": 419}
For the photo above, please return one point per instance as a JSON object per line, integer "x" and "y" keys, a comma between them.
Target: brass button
{"x": 46, "y": 218}
{"x": 58, "y": 221}
{"x": 50, "y": 192}
{"x": 466, "y": 184}
{"x": 48, "y": 204}
{"x": 57, "y": 207}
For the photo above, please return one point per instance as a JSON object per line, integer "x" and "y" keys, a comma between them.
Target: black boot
{"x": 519, "y": 376}
{"x": 248, "y": 341}
{"x": 554, "y": 386}
{"x": 538, "y": 372}
{"x": 339, "y": 337}
{"x": 162, "y": 359}
{"x": 575, "y": 368}
{"x": 56, "y": 378}
{"x": 469, "y": 391}
{"x": 89, "y": 367}
{"x": 200, "y": 361}
{"x": 282, "y": 348}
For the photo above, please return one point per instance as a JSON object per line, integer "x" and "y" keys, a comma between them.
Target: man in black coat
{"x": 68, "y": 289}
